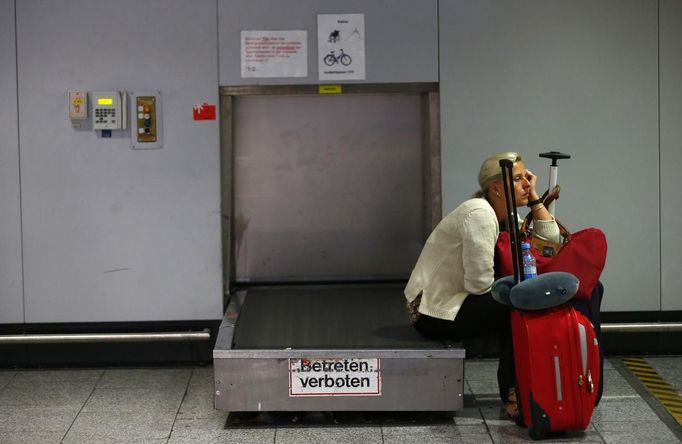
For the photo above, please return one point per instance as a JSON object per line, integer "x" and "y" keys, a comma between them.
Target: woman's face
{"x": 522, "y": 183}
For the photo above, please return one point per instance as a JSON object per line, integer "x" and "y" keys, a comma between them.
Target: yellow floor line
{"x": 661, "y": 390}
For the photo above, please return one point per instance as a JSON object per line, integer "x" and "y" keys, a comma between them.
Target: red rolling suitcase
{"x": 556, "y": 354}
{"x": 557, "y": 369}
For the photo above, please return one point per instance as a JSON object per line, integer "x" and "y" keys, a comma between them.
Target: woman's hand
{"x": 532, "y": 180}
{"x": 539, "y": 210}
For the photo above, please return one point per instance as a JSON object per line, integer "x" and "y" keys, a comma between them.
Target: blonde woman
{"x": 448, "y": 293}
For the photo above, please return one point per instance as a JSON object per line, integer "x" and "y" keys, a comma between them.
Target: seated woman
{"x": 448, "y": 294}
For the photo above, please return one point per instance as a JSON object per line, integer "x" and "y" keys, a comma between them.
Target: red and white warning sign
{"x": 205, "y": 111}
{"x": 274, "y": 54}
{"x": 334, "y": 377}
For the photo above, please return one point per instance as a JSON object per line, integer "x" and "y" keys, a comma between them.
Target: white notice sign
{"x": 341, "y": 46}
{"x": 334, "y": 377}
{"x": 274, "y": 54}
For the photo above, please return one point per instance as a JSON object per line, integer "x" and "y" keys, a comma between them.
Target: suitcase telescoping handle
{"x": 512, "y": 217}
{"x": 553, "y": 174}
{"x": 555, "y": 155}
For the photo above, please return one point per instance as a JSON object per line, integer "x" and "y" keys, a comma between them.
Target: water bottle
{"x": 530, "y": 269}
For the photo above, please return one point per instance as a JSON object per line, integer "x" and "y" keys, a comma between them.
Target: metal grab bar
{"x": 642, "y": 327}
{"x": 203, "y": 335}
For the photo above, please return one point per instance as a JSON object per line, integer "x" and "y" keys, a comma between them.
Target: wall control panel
{"x": 146, "y": 111}
{"x": 78, "y": 105}
{"x": 109, "y": 110}
{"x": 146, "y": 118}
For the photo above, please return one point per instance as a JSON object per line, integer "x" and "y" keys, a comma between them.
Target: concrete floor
{"x": 175, "y": 405}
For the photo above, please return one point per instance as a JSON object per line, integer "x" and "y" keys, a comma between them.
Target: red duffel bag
{"x": 582, "y": 253}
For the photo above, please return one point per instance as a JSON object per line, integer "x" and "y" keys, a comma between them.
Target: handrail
{"x": 203, "y": 335}
{"x": 642, "y": 327}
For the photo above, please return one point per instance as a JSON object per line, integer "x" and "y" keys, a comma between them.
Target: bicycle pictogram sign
{"x": 343, "y": 58}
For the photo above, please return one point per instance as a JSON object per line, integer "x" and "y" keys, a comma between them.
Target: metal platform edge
{"x": 256, "y": 379}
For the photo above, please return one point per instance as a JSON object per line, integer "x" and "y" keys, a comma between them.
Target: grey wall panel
{"x": 671, "y": 152}
{"x": 111, "y": 233}
{"x": 332, "y": 191}
{"x": 401, "y": 36}
{"x": 11, "y": 297}
{"x": 574, "y": 76}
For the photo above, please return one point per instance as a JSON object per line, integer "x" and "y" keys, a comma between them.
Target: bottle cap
{"x": 525, "y": 246}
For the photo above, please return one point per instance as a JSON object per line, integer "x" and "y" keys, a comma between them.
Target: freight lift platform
{"x": 320, "y": 348}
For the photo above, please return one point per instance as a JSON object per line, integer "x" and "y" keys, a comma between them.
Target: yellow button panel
{"x": 146, "y": 118}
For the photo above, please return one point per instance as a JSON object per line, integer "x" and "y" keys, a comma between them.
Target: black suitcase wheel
{"x": 541, "y": 424}
{"x": 536, "y": 434}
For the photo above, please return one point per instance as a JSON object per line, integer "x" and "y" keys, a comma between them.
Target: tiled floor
{"x": 174, "y": 405}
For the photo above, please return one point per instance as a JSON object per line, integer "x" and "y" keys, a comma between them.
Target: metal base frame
{"x": 428, "y": 378}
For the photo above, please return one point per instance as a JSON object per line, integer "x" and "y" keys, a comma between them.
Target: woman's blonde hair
{"x": 490, "y": 171}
